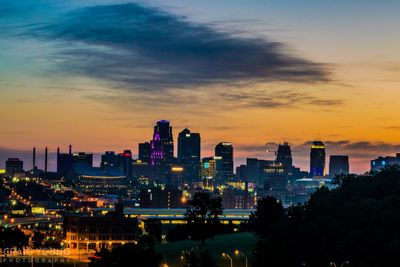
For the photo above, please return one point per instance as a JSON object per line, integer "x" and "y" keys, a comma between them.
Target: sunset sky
{"x": 98, "y": 74}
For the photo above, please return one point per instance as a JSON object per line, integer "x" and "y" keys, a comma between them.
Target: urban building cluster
{"x": 155, "y": 184}
{"x": 157, "y": 178}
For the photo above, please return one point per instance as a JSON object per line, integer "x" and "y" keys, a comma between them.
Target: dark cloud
{"x": 251, "y": 148}
{"x": 277, "y": 99}
{"x": 143, "y": 48}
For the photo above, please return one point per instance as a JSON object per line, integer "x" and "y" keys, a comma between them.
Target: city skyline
{"x": 301, "y": 73}
{"x": 263, "y": 151}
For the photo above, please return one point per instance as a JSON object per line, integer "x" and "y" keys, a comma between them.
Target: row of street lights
{"x": 224, "y": 254}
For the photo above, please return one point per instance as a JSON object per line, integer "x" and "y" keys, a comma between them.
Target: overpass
{"x": 176, "y": 216}
{"x": 166, "y": 216}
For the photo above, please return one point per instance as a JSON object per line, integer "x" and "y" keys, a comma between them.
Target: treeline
{"x": 356, "y": 224}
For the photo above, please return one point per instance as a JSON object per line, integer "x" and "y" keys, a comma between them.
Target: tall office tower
{"x": 189, "y": 155}
{"x": 157, "y": 156}
{"x": 317, "y": 159}
{"x": 126, "y": 162}
{"x": 338, "y": 164}
{"x": 284, "y": 155}
{"x": 109, "y": 159}
{"x": 225, "y": 151}
{"x": 14, "y": 165}
{"x": 166, "y": 138}
{"x": 144, "y": 152}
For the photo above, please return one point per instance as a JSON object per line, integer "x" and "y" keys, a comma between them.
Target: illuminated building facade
{"x": 157, "y": 157}
{"x": 210, "y": 166}
{"x": 225, "y": 151}
{"x": 96, "y": 232}
{"x": 87, "y": 178}
{"x": 164, "y": 131}
{"x": 233, "y": 198}
{"x": 176, "y": 177}
{"x": 382, "y": 162}
{"x": 167, "y": 198}
{"x": 317, "y": 159}
{"x": 189, "y": 155}
{"x": 338, "y": 164}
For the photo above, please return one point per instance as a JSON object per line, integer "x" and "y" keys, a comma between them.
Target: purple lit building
{"x": 157, "y": 156}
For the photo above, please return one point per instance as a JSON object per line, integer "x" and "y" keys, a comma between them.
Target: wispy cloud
{"x": 142, "y": 48}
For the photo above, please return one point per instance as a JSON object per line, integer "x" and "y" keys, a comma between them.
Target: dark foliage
{"x": 154, "y": 229}
{"x": 202, "y": 216}
{"x": 199, "y": 258}
{"x": 13, "y": 238}
{"x": 357, "y": 222}
{"x": 134, "y": 255}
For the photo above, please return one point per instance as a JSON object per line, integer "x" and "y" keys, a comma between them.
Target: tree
{"x": 179, "y": 232}
{"x": 13, "y": 237}
{"x": 127, "y": 255}
{"x": 154, "y": 229}
{"x": 202, "y": 216}
{"x": 269, "y": 211}
{"x": 37, "y": 239}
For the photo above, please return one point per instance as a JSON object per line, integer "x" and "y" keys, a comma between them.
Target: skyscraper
{"x": 165, "y": 133}
{"x": 225, "y": 151}
{"x": 162, "y": 150}
{"x": 145, "y": 152}
{"x": 317, "y": 159}
{"x": 126, "y": 162}
{"x": 189, "y": 155}
{"x": 338, "y": 164}
{"x": 157, "y": 156}
{"x": 284, "y": 155}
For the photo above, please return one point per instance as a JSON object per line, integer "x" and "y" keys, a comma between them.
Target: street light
{"x": 227, "y": 256}
{"x": 238, "y": 252}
